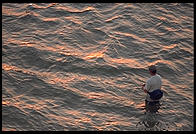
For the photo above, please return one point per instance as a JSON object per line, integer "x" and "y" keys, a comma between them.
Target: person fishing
{"x": 153, "y": 89}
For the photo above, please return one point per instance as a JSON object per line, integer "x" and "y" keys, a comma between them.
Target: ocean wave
{"x": 69, "y": 66}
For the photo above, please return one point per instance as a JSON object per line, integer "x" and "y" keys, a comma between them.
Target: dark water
{"x": 79, "y": 66}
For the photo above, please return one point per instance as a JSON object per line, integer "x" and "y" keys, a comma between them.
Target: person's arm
{"x": 146, "y": 87}
{"x": 143, "y": 88}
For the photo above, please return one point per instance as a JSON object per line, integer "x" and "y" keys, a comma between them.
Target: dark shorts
{"x": 151, "y": 103}
{"x": 152, "y": 107}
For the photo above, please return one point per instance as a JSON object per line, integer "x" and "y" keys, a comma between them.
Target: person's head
{"x": 152, "y": 69}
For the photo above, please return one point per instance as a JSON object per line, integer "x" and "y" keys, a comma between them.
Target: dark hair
{"x": 153, "y": 71}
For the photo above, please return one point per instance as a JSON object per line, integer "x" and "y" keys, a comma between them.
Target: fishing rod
{"x": 137, "y": 87}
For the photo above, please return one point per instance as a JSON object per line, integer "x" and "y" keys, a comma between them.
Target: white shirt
{"x": 152, "y": 84}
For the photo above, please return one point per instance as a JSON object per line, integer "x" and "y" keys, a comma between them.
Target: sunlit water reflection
{"x": 79, "y": 66}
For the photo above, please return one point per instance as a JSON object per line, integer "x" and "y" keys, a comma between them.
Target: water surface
{"x": 78, "y": 66}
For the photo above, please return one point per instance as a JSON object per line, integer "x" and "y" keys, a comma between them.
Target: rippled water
{"x": 72, "y": 66}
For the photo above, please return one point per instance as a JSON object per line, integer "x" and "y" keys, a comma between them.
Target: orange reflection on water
{"x": 11, "y": 12}
{"x": 49, "y": 48}
{"x": 74, "y": 19}
{"x": 62, "y": 120}
{"x": 162, "y": 18}
{"x": 5, "y": 102}
{"x": 101, "y": 97}
{"x": 74, "y": 10}
{"x": 178, "y": 89}
{"x": 140, "y": 105}
{"x": 7, "y": 67}
{"x": 112, "y": 18}
{"x": 42, "y": 6}
{"x": 171, "y": 64}
{"x": 50, "y": 19}
{"x": 170, "y": 46}
{"x": 171, "y": 29}
{"x": 63, "y": 49}
{"x": 190, "y": 31}
{"x": 8, "y": 129}
{"x": 95, "y": 54}
{"x": 133, "y": 36}
{"x": 48, "y": 77}
{"x": 85, "y": 119}
{"x": 130, "y": 62}
{"x": 57, "y": 80}
{"x": 23, "y": 106}
{"x": 21, "y": 43}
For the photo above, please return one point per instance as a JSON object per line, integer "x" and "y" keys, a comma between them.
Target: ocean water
{"x": 79, "y": 66}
